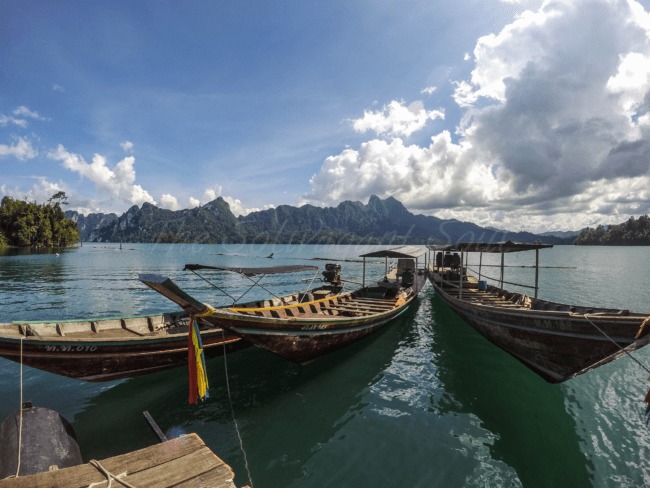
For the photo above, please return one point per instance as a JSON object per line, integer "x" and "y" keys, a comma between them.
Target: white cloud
{"x": 127, "y": 146}
{"x": 25, "y": 112}
{"x": 236, "y": 205}
{"x": 19, "y": 117}
{"x": 396, "y": 119}
{"x": 117, "y": 182}
{"x": 41, "y": 191}
{"x": 556, "y": 127}
{"x": 21, "y": 149}
{"x": 429, "y": 90}
{"x": 210, "y": 194}
{"x": 169, "y": 202}
{"x": 6, "y": 120}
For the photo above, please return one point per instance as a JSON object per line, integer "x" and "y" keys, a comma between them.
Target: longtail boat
{"x": 322, "y": 320}
{"x": 106, "y": 349}
{"x": 555, "y": 340}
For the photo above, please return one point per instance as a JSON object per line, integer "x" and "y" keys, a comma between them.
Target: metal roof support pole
{"x": 364, "y": 273}
{"x": 460, "y": 271}
{"x": 502, "y": 266}
{"x": 536, "y": 271}
{"x": 480, "y": 264}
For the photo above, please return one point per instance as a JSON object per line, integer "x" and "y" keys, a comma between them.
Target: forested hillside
{"x": 634, "y": 232}
{"x": 27, "y": 224}
{"x": 377, "y": 222}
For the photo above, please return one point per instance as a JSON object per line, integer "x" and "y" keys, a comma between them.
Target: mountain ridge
{"x": 350, "y": 222}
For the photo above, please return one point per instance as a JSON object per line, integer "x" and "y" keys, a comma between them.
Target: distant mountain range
{"x": 379, "y": 222}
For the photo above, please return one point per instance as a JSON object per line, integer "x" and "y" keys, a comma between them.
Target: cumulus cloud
{"x": 396, "y": 119}
{"x": 41, "y": 191}
{"x": 21, "y": 149}
{"x": 169, "y": 202}
{"x": 118, "y": 181}
{"x": 556, "y": 126}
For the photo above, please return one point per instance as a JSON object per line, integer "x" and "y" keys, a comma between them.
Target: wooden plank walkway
{"x": 183, "y": 462}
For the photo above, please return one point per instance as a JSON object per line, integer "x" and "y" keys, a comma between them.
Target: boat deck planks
{"x": 182, "y": 462}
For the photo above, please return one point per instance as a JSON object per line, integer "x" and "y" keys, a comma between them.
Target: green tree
{"x": 32, "y": 225}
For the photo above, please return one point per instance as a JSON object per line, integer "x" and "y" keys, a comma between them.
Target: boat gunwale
{"x": 314, "y": 317}
{"x": 527, "y": 312}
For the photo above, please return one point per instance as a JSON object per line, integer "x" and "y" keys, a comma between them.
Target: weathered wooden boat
{"x": 110, "y": 348}
{"x": 555, "y": 340}
{"x": 322, "y": 320}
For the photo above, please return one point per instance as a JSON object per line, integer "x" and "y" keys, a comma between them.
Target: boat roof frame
{"x": 413, "y": 252}
{"x": 254, "y": 271}
{"x": 490, "y": 247}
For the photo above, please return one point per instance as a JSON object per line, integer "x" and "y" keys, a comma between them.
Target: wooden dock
{"x": 183, "y": 462}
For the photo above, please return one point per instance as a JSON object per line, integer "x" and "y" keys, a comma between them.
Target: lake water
{"x": 426, "y": 402}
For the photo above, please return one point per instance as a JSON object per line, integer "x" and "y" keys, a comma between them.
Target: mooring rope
{"x": 20, "y": 409}
{"x": 109, "y": 476}
{"x": 617, "y": 344}
{"x": 232, "y": 410}
{"x": 309, "y": 285}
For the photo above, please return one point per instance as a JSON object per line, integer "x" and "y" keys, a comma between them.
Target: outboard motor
{"x": 332, "y": 274}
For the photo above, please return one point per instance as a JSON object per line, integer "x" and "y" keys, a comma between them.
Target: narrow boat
{"x": 106, "y": 349}
{"x": 555, "y": 340}
{"x": 322, "y": 320}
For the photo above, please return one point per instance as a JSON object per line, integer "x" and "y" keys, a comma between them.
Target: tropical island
{"x": 28, "y": 224}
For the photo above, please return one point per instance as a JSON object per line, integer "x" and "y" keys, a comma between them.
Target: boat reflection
{"x": 532, "y": 431}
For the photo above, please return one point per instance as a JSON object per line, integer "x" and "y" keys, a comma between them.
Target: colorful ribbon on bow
{"x": 198, "y": 376}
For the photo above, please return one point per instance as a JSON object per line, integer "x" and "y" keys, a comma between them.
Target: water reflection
{"x": 531, "y": 429}
{"x": 285, "y": 412}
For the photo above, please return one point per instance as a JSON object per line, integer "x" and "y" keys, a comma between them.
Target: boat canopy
{"x": 397, "y": 252}
{"x": 255, "y": 271}
{"x": 493, "y": 247}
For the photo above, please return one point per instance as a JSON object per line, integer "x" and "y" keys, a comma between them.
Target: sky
{"x": 520, "y": 115}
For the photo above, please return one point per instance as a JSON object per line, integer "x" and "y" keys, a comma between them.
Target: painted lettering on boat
{"x": 70, "y": 348}
{"x": 553, "y": 324}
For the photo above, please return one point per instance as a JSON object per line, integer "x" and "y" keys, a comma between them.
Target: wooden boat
{"x": 555, "y": 340}
{"x": 110, "y": 348}
{"x": 322, "y": 320}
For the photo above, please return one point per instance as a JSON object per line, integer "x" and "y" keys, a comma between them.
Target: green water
{"x": 426, "y": 402}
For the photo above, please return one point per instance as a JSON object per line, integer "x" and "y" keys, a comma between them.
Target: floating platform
{"x": 182, "y": 462}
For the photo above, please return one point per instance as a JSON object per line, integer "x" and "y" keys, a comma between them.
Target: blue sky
{"x": 515, "y": 114}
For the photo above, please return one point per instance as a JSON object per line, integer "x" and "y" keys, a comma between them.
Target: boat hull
{"x": 302, "y": 339}
{"x": 112, "y": 352}
{"x": 557, "y": 345}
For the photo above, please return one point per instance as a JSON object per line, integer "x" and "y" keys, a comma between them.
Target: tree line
{"x": 28, "y": 224}
{"x": 634, "y": 232}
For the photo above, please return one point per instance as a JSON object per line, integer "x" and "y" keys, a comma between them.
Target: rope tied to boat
{"x": 232, "y": 409}
{"x": 629, "y": 354}
{"x": 20, "y": 413}
{"x": 109, "y": 476}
